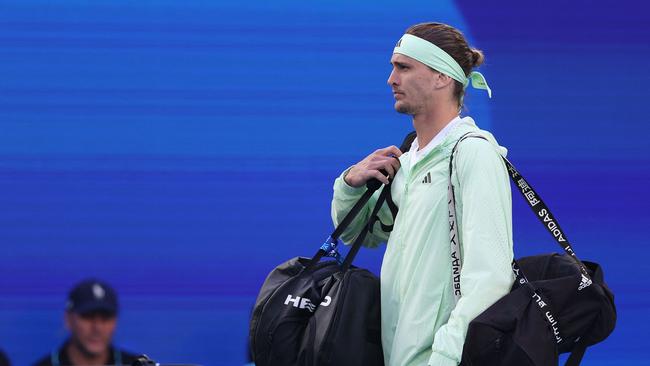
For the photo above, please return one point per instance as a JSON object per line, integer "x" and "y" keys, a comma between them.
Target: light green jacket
{"x": 421, "y": 323}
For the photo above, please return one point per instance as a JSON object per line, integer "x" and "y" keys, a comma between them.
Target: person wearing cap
{"x": 427, "y": 298}
{"x": 91, "y": 317}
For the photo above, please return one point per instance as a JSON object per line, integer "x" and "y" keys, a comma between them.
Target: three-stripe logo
{"x": 427, "y": 178}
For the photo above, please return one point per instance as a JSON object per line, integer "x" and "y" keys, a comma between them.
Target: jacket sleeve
{"x": 485, "y": 230}
{"x": 345, "y": 196}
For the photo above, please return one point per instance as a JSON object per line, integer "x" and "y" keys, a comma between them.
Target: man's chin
{"x": 94, "y": 350}
{"x": 402, "y": 108}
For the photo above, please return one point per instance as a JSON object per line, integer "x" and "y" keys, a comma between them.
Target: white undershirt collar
{"x": 417, "y": 155}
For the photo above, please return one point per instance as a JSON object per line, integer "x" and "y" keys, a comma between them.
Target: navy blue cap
{"x": 91, "y": 296}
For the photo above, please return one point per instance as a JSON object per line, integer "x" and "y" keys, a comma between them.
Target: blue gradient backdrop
{"x": 181, "y": 150}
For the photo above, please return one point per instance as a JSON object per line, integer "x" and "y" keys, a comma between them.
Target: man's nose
{"x": 392, "y": 79}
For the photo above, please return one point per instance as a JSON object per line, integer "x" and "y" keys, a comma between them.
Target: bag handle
{"x": 329, "y": 247}
{"x": 368, "y": 227}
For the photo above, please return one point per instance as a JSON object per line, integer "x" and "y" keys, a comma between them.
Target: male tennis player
{"x": 426, "y": 307}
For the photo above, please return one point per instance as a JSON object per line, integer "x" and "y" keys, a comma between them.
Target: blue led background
{"x": 182, "y": 149}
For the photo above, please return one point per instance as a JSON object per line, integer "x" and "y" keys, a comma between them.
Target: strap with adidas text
{"x": 542, "y": 212}
{"x": 534, "y": 201}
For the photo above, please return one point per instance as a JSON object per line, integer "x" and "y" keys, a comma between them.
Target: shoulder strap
{"x": 385, "y": 195}
{"x": 329, "y": 246}
{"x": 547, "y": 219}
{"x": 406, "y": 146}
{"x": 328, "y": 249}
{"x": 362, "y": 235}
{"x": 408, "y": 140}
{"x": 543, "y": 213}
{"x": 535, "y": 202}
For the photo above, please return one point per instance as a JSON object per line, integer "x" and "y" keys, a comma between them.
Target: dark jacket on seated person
{"x": 4, "y": 361}
{"x": 60, "y": 357}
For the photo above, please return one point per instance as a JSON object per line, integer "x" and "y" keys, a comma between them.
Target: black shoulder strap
{"x": 406, "y": 146}
{"x": 542, "y": 212}
{"x": 362, "y": 235}
{"x": 550, "y": 223}
{"x": 408, "y": 140}
{"x": 329, "y": 247}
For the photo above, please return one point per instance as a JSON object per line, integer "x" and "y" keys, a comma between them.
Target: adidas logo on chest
{"x": 427, "y": 178}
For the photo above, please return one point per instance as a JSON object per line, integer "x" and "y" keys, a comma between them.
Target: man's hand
{"x": 370, "y": 167}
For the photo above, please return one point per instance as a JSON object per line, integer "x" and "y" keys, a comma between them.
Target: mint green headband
{"x": 434, "y": 57}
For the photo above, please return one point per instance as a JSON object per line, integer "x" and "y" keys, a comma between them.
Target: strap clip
{"x": 329, "y": 247}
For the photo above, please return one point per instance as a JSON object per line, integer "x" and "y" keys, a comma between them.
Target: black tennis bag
{"x": 541, "y": 318}
{"x": 313, "y": 312}
{"x": 558, "y": 303}
{"x": 317, "y": 315}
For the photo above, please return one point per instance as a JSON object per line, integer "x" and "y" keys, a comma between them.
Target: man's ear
{"x": 442, "y": 81}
